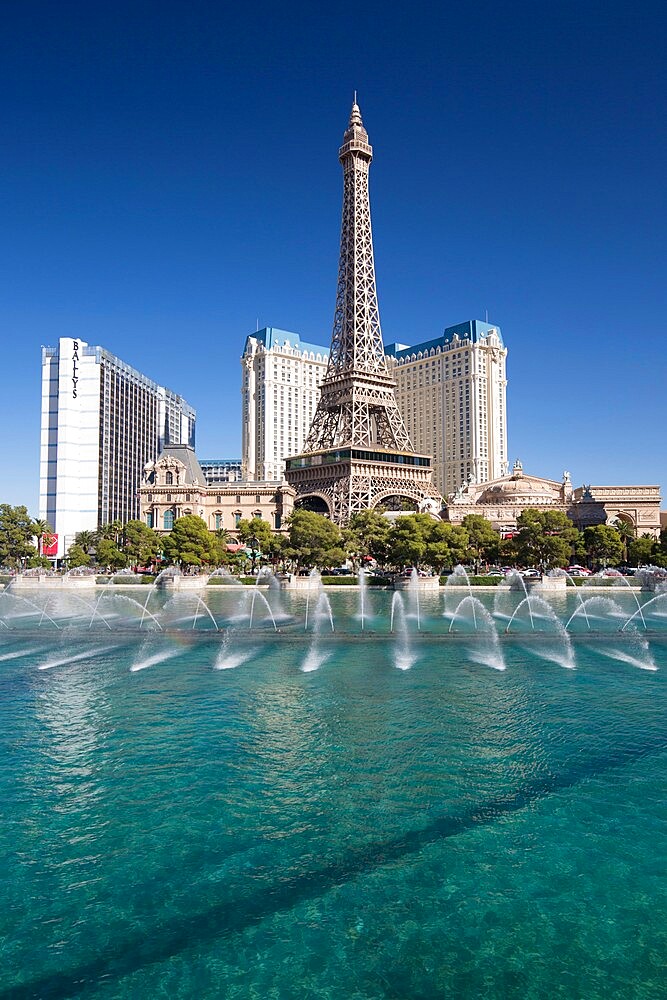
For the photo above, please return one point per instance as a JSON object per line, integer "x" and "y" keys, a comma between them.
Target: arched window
{"x": 169, "y": 478}
{"x": 168, "y": 520}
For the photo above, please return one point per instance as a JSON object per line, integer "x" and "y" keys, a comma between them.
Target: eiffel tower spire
{"x": 357, "y": 403}
{"x": 358, "y": 452}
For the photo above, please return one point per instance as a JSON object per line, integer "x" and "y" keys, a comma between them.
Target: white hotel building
{"x": 451, "y": 392}
{"x": 102, "y": 421}
{"x": 281, "y": 375}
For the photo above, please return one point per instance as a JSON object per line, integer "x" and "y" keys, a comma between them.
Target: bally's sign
{"x": 75, "y": 367}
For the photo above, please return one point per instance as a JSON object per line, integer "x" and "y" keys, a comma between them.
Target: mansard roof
{"x": 185, "y": 454}
{"x": 272, "y": 337}
{"x": 473, "y": 330}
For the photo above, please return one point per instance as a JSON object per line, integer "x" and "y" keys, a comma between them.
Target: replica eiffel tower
{"x": 358, "y": 454}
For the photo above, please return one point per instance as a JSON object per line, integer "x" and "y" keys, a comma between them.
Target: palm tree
{"x": 627, "y": 533}
{"x": 42, "y": 529}
{"x": 86, "y": 539}
{"x": 112, "y": 530}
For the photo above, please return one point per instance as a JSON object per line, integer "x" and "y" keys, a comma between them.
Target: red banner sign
{"x": 50, "y": 545}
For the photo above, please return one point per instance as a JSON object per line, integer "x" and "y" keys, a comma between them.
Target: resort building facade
{"x": 102, "y": 421}
{"x": 280, "y": 389}
{"x": 174, "y": 485}
{"x": 451, "y": 392}
{"x": 503, "y": 499}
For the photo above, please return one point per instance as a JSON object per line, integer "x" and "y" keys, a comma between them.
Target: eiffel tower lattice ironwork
{"x": 357, "y": 452}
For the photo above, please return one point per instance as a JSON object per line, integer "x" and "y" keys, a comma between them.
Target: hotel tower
{"x": 102, "y": 421}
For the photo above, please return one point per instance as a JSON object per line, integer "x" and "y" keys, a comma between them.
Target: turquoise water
{"x": 450, "y": 830}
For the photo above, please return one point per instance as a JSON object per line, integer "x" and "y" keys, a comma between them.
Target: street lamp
{"x": 254, "y": 545}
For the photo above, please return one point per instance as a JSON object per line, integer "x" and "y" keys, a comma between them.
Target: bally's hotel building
{"x": 102, "y": 422}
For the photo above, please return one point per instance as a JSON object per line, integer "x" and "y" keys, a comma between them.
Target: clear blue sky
{"x": 170, "y": 176}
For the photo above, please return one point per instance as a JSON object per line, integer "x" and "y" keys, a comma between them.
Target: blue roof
{"x": 272, "y": 337}
{"x": 473, "y": 329}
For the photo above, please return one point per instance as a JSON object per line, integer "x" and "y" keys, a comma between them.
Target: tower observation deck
{"x": 358, "y": 454}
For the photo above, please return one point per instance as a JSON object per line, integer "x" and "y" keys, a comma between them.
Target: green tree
{"x": 315, "y": 540}
{"x": 77, "y": 556}
{"x": 508, "y": 554}
{"x": 367, "y": 534}
{"x": 484, "y": 544}
{"x": 627, "y": 533}
{"x": 545, "y": 538}
{"x": 87, "y": 540}
{"x": 256, "y": 534}
{"x": 407, "y": 541}
{"x": 142, "y": 544}
{"x": 278, "y": 550}
{"x": 603, "y": 544}
{"x": 17, "y": 530}
{"x": 660, "y": 550}
{"x": 39, "y": 562}
{"x": 109, "y": 555}
{"x": 190, "y": 543}
{"x": 642, "y": 551}
{"x": 446, "y": 545}
{"x": 111, "y": 531}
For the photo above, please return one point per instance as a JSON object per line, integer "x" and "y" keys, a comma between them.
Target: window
{"x": 187, "y": 498}
{"x": 218, "y": 499}
{"x": 168, "y": 497}
{"x": 258, "y": 498}
{"x": 238, "y": 498}
{"x": 149, "y": 519}
{"x": 218, "y": 522}
{"x": 237, "y": 518}
{"x": 169, "y": 478}
{"x": 277, "y": 520}
{"x": 168, "y": 520}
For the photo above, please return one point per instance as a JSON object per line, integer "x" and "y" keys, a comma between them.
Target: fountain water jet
{"x": 143, "y": 662}
{"x": 563, "y": 654}
{"x": 316, "y": 656}
{"x": 413, "y": 593}
{"x": 488, "y": 652}
{"x": 658, "y": 598}
{"x": 596, "y": 607}
{"x": 127, "y": 600}
{"x": 363, "y": 588}
{"x": 207, "y": 609}
{"x": 455, "y": 579}
{"x": 31, "y": 604}
{"x": 568, "y": 578}
{"x": 75, "y": 657}
{"x": 404, "y": 658}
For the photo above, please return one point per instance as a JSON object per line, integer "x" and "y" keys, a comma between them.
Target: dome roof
{"x": 520, "y": 488}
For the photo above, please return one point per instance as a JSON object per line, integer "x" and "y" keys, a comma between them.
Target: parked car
{"x": 578, "y": 571}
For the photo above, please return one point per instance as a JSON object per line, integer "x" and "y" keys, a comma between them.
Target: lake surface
{"x": 352, "y": 830}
